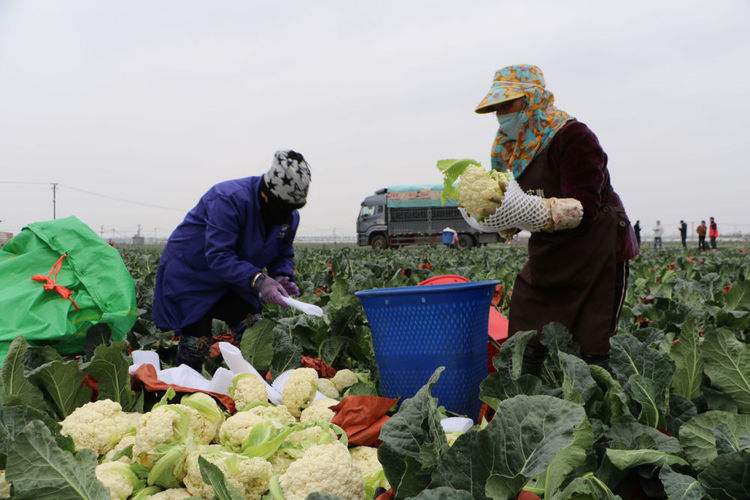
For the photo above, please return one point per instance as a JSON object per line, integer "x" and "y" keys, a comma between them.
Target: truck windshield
{"x": 367, "y": 211}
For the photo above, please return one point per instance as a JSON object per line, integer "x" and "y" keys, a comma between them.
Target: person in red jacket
{"x": 713, "y": 232}
{"x": 577, "y": 269}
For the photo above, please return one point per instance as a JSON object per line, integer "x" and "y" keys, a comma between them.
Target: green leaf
{"x": 61, "y": 380}
{"x": 727, "y": 364}
{"x": 680, "y": 486}
{"x": 110, "y": 369}
{"x": 16, "y": 389}
{"x": 728, "y": 476}
{"x": 13, "y": 419}
{"x": 96, "y": 335}
{"x": 567, "y": 460}
{"x": 587, "y": 487}
{"x": 652, "y": 399}
{"x": 629, "y": 356}
{"x": 257, "y": 344}
{"x": 504, "y": 383}
{"x": 577, "y": 376}
{"x": 739, "y": 296}
{"x": 635, "y": 436}
{"x": 452, "y": 170}
{"x": 697, "y": 435}
{"x": 442, "y": 493}
{"x": 688, "y": 361}
{"x": 39, "y": 469}
{"x": 212, "y": 475}
{"x": 627, "y": 459}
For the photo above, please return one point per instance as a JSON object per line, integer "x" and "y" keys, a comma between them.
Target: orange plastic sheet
{"x": 362, "y": 417}
{"x": 146, "y": 374}
{"x": 324, "y": 370}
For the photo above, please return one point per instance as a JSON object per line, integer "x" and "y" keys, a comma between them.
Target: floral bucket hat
{"x": 540, "y": 120}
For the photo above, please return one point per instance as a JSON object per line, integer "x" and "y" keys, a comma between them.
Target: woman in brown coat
{"x": 577, "y": 268}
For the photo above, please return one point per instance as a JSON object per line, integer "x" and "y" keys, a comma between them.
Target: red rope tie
{"x": 49, "y": 283}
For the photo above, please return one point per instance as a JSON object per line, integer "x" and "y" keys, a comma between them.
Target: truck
{"x": 414, "y": 215}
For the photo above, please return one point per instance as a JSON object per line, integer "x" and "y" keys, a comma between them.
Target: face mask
{"x": 510, "y": 123}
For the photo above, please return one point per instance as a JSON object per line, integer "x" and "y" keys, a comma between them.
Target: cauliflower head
{"x": 366, "y": 460}
{"x": 250, "y": 476}
{"x": 327, "y": 468}
{"x": 320, "y": 409}
{"x": 299, "y": 390}
{"x": 127, "y": 440}
{"x": 481, "y": 192}
{"x": 328, "y": 389}
{"x": 236, "y": 428}
{"x": 98, "y": 425}
{"x": 118, "y": 477}
{"x": 163, "y": 425}
{"x": 344, "y": 378}
{"x": 247, "y": 388}
{"x": 171, "y": 494}
{"x": 208, "y": 419}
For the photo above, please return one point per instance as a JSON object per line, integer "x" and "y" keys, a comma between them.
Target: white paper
{"x": 184, "y": 376}
{"x": 456, "y": 424}
{"x": 306, "y": 308}
{"x": 145, "y": 358}
{"x": 221, "y": 381}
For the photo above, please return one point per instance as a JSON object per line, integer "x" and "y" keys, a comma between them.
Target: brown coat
{"x": 701, "y": 230}
{"x": 570, "y": 275}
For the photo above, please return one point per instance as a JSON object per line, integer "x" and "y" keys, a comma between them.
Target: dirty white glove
{"x": 530, "y": 212}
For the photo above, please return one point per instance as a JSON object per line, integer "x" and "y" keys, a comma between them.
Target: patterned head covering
{"x": 540, "y": 119}
{"x": 288, "y": 179}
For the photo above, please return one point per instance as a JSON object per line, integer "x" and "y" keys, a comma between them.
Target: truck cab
{"x": 371, "y": 223}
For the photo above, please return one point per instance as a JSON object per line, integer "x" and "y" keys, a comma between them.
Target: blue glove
{"x": 271, "y": 291}
{"x": 289, "y": 285}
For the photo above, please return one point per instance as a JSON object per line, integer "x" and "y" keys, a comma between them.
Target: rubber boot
{"x": 192, "y": 351}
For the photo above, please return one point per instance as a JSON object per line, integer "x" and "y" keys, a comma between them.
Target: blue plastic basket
{"x": 416, "y": 329}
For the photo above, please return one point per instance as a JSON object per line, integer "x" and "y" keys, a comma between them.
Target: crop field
{"x": 669, "y": 419}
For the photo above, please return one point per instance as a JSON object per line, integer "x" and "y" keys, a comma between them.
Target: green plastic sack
{"x": 101, "y": 286}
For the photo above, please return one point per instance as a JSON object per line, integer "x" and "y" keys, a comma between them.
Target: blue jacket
{"x": 219, "y": 246}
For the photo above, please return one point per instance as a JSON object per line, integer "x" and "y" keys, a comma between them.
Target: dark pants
{"x": 702, "y": 243}
{"x": 683, "y": 238}
{"x": 535, "y": 354}
{"x": 231, "y": 309}
{"x": 713, "y": 242}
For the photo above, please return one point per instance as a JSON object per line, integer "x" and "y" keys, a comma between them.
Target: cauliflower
{"x": 299, "y": 441}
{"x": 250, "y": 476}
{"x": 366, "y": 460}
{"x": 328, "y": 389}
{"x": 299, "y": 390}
{"x": 328, "y": 468}
{"x": 164, "y": 425}
{"x": 235, "y": 430}
{"x": 4, "y": 486}
{"x": 344, "y": 378}
{"x": 98, "y": 425}
{"x": 481, "y": 192}
{"x": 247, "y": 388}
{"x": 171, "y": 494}
{"x": 209, "y": 418}
{"x": 118, "y": 477}
{"x": 127, "y": 440}
{"x": 280, "y": 462}
{"x": 320, "y": 409}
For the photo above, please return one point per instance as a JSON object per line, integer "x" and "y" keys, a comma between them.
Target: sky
{"x": 136, "y": 108}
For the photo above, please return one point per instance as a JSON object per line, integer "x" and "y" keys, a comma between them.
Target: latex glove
{"x": 289, "y": 285}
{"x": 271, "y": 291}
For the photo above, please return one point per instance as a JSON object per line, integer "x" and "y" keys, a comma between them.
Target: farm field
{"x": 670, "y": 419}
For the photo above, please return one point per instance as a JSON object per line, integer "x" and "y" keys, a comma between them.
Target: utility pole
{"x": 54, "y": 200}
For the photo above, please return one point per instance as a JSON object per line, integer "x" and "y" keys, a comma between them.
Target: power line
{"x": 108, "y": 197}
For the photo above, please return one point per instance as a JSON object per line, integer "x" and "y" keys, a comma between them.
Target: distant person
{"x": 450, "y": 237}
{"x": 637, "y": 229}
{"x": 701, "y": 230}
{"x": 713, "y": 232}
{"x": 683, "y": 234}
{"x": 658, "y": 232}
{"x": 214, "y": 262}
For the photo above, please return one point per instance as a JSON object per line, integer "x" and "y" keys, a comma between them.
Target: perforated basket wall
{"x": 419, "y": 328}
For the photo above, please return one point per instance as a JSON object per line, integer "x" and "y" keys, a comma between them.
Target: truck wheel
{"x": 465, "y": 242}
{"x": 379, "y": 242}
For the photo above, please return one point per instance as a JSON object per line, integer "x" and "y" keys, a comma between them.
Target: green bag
{"x": 43, "y": 264}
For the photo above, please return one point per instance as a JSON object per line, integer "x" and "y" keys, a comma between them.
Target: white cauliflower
{"x": 328, "y": 468}
{"x": 366, "y": 460}
{"x": 98, "y": 425}
{"x": 4, "y": 486}
{"x": 126, "y": 441}
{"x": 481, "y": 192}
{"x": 171, "y": 494}
{"x": 320, "y": 409}
{"x": 328, "y": 389}
{"x": 163, "y": 425}
{"x": 247, "y": 388}
{"x": 344, "y": 378}
{"x": 299, "y": 441}
{"x": 250, "y": 476}
{"x": 299, "y": 390}
{"x": 118, "y": 477}
{"x": 207, "y": 422}
{"x": 236, "y": 428}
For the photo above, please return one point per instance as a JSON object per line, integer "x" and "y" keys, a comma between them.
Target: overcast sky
{"x": 137, "y": 107}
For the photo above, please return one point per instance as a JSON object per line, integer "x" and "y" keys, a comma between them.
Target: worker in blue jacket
{"x": 233, "y": 251}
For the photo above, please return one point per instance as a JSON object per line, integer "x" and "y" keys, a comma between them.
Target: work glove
{"x": 290, "y": 286}
{"x": 533, "y": 213}
{"x": 271, "y": 291}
